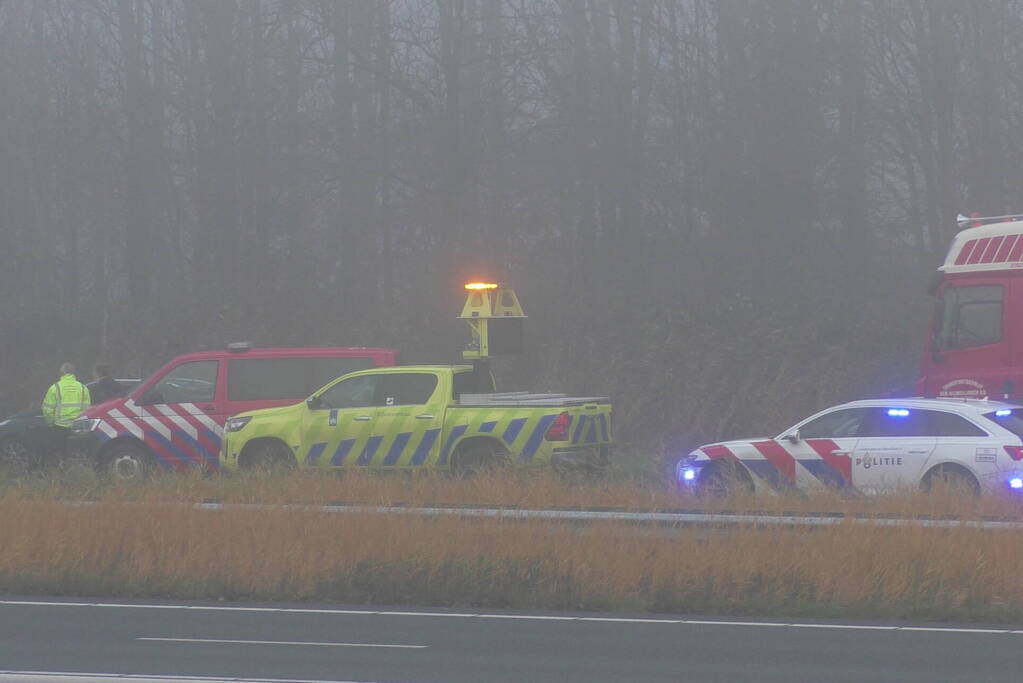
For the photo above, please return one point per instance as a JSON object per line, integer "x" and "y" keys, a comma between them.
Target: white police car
{"x": 872, "y": 446}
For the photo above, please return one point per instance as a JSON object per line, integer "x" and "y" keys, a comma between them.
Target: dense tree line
{"x": 721, "y": 213}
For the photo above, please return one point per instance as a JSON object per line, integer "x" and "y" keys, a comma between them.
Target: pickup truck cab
{"x": 175, "y": 419}
{"x": 422, "y": 417}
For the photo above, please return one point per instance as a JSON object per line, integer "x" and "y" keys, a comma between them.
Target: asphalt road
{"x": 302, "y": 642}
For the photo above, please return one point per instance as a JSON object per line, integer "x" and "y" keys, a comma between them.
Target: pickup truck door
{"x": 339, "y": 425}
{"x": 410, "y": 416}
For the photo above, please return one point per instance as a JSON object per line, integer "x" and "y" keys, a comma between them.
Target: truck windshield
{"x": 968, "y": 316}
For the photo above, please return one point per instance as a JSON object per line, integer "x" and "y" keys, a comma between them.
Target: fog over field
{"x": 723, "y": 214}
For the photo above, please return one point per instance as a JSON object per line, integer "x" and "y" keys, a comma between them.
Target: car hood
{"x": 731, "y": 445}
{"x": 273, "y": 412}
{"x": 101, "y": 409}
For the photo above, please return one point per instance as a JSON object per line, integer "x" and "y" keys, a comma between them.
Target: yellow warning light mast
{"x": 496, "y": 319}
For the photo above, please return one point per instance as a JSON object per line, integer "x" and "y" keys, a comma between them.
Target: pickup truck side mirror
{"x": 792, "y": 437}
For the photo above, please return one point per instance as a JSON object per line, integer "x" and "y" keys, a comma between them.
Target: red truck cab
{"x": 975, "y": 345}
{"x": 174, "y": 419}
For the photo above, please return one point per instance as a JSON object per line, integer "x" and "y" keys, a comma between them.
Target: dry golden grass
{"x": 148, "y": 548}
{"x": 526, "y": 490}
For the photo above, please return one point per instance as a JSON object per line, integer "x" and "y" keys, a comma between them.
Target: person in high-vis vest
{"x": 65, "y": 400}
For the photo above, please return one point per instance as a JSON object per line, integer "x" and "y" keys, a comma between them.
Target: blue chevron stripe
{"x": 513, "y": 429}
{"x": 536, "y": 438}
{"x": 369, "y": 450}
{"x": 423, "y": 449}
{"x": 315, "y": 451}
{"x": 454, "y": 436}
{"x": 580, "y": 422}
{"x": 342, "y": 451}
{"x": 397, "y": 448}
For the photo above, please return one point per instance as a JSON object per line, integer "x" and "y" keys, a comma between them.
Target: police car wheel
{"x": 724, "y": 478}
{"x": 128, "y": 462}
{"x": 15, "y": 457}
{"x": 951, "y": 479}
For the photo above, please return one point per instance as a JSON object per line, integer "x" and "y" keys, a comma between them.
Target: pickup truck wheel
{"x": 951, "y": 479}
{"x": 128, "y": 462}
{"x": 723, "y": 478}
{"x": 269, "y": 457}
{"x": 15, "y": 457}
{"x": 474, "y": 459}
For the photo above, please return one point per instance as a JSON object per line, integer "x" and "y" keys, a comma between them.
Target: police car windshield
{"x": 1008, "y": 419}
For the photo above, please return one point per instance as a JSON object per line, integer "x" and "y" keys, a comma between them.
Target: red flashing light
{"x": 558, "y": 431}
{"x": 1015, "y": 452}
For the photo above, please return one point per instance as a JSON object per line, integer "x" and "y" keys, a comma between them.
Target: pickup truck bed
{"x": 524, "y": 398}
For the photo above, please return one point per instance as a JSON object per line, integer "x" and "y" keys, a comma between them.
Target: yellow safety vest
{"x": 65, "y": 400}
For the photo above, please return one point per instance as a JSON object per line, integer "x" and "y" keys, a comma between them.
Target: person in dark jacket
{"x": 104, "y": 387}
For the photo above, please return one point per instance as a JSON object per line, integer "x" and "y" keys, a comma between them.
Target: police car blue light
{"x": 898, "y": 412}
{"x": 1016, "y": 483}
{"x": 689, "y": 474}
{"x": 1003, "y": 413}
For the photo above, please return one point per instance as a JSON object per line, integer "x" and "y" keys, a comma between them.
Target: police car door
{"x": 339, "y": 423}
{"x": 959, "y": 440}
{"x": 824, "y": 446}
{"x": 409, "y": 419}
{"x": 895, "y": 443}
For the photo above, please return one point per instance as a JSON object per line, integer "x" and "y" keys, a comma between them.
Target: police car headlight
{"x": 235, "y": 424}
{"x": 84, "y": 425}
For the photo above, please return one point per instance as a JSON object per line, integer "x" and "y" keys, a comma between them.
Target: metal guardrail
{"x": 639, "y": 518}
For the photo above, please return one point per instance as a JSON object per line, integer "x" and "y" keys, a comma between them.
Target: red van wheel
{"x": 128, "y": 462}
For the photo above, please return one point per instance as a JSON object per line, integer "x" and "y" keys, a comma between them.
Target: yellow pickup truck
{"x": 441, "y": 417}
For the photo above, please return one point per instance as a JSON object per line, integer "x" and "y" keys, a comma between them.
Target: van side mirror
{"x": 792, "y": 437}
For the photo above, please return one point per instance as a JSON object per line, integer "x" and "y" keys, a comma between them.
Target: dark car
{"x": 23, "y": 439}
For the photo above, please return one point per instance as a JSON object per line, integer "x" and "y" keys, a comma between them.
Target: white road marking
{"x": 520, "y": 617}
{"x": 281, "y": 642}
{"x": 66, "y": 677}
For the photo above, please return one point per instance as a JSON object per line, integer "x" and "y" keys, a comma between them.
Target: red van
{"x": 975, "y": 346}
{"x": 174, "y": 419}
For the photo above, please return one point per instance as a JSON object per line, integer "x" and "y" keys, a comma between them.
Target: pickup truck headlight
{"x": 84, "y": 425}
{"x": 235, "y": 424}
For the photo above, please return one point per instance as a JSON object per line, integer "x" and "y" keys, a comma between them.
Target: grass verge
{"x": 149, "y": 549}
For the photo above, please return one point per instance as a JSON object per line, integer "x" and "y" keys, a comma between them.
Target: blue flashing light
{"x": 898, "y": 412}
{"x": 1016, "y": 483}
{"x": 689, "y": 474}
{"x": 1003, "y": 413}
